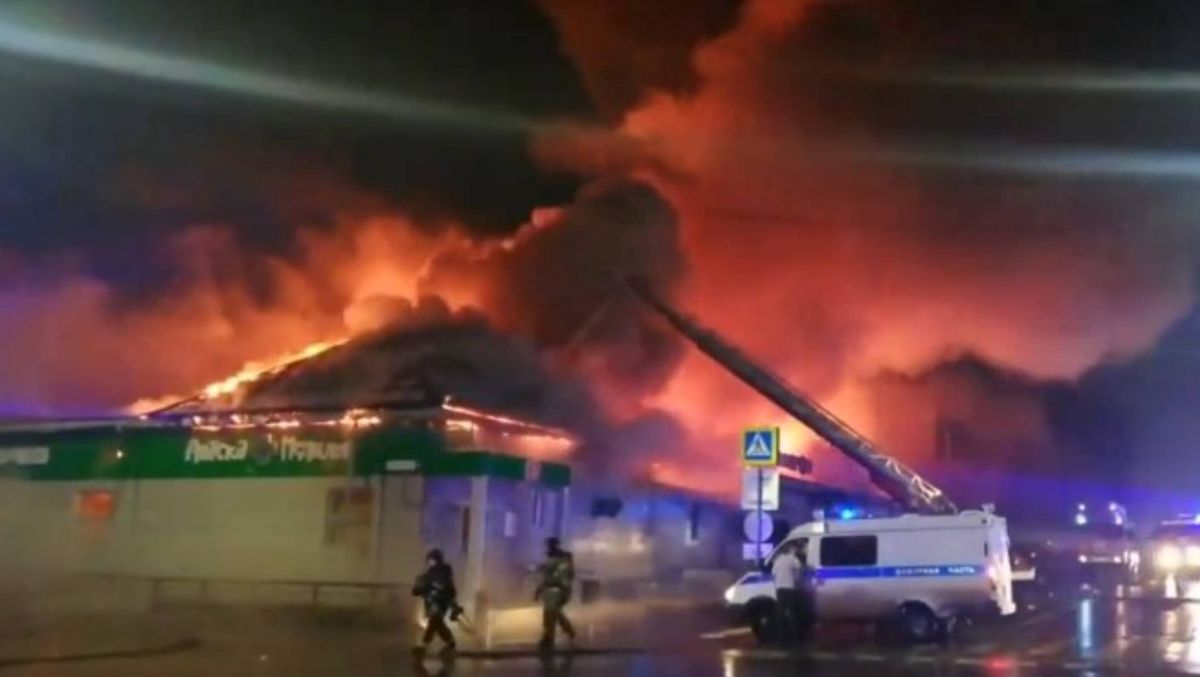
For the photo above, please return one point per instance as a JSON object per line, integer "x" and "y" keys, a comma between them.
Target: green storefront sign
{"x": 176, "y": 453}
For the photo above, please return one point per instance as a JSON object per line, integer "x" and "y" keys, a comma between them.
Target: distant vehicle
{"x": 916, "y": 573}
{"x": 1100, "y": 544}
{"x": 1173, "y": 551}
{"x": 1110, "y": 513}
{"x": 1105, "y": 545}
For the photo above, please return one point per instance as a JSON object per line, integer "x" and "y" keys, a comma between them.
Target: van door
{"x": 1000, "y": 568}
{"x": 847, "y": 576}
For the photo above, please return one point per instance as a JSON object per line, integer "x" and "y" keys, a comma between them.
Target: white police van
{"x": 917, "y": 572}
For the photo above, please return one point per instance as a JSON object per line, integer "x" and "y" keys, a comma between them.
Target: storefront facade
{"x": 323, "y": 503}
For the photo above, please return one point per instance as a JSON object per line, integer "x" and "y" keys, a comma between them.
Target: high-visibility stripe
{"x": 917, "y": 571}
{"x": 913, "y": 571}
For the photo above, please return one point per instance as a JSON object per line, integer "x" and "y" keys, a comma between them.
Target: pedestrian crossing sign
{"x": 760, "y": 447}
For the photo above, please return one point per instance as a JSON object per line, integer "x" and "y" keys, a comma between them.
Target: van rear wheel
{"x": 917, "y": 624}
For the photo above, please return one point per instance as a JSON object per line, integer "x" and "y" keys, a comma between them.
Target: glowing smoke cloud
{"x": 125, "y": 60}
{"x": 850, "y": 269}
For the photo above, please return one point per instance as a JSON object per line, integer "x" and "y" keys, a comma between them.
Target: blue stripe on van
{"x": 919, "y": 571}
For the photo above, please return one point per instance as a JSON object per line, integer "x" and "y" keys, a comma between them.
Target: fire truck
{"x": 917, "y": 572}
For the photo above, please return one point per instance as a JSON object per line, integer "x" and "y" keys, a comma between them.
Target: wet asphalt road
{"x": 1070, "y": 633}
{"x": 1076, "y": 634}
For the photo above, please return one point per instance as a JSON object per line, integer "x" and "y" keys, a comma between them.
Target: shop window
{"x": 412, "y": 491}
{"x": 348, "y": 517}
{"x": 552, "y": 510}
{"x": 537, "y": 513}
{"x": 560, "y": 514}
{"x": 692, "y": 537}
{"x": 464, "y": 529}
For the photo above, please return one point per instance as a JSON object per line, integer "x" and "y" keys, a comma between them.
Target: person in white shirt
{"x": 788, "y": 574}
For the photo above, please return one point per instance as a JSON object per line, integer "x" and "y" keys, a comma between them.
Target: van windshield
{"x": 1101, "y": 530}
{"x": 800, "y": 543}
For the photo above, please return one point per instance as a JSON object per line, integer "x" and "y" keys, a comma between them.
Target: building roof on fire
{"x": 400, "y": 370}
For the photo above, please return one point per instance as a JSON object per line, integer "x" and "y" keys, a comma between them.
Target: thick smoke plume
{"x": 556, "y": 281}
{"x": 517, "y": 325}
{"x": 835, "y": 270}
{"x": 858, "y": 279}
{"x": 74, "y": 346}
{"x": 424, "y": 353}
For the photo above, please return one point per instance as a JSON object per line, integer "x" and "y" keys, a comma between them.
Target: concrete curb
{"x": 185, "y": 644}
{"x": 534, "y": 652}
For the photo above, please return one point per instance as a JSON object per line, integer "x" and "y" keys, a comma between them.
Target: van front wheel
{"x": 762, "y": 620}
{"x": 917, "y": 623}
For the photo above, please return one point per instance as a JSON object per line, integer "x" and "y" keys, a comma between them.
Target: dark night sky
{"x": 102, "y": 168}
{"x": 136, "y": 158}
{"x": 70, "y": 131}
{"x": 66, "y": 131}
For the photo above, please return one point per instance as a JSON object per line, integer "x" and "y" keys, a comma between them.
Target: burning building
{"x": 769, "y": 198}
{"x": 879, "y": 278}
{"x": 350, "y": 497}
{"x": 345, "y": 465}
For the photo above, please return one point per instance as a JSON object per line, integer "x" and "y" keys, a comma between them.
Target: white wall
{"x": 239, "y": 528}
{"x": 400, "y": 554}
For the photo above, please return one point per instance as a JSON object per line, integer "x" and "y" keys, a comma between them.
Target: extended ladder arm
{"x": 890, "y": 475}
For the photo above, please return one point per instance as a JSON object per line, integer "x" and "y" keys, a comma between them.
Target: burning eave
{"x": 464, "y": 428}
{"x": 455, "y": 377}
{"x": 228, "y": 392}
{"x": 372, "y": 414}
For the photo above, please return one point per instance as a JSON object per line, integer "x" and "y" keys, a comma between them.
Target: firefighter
{"x": 435, "y": 586}
{"x": 554, "y": 591}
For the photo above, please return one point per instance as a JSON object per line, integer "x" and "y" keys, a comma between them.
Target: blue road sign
{"x": 760, "y": 446}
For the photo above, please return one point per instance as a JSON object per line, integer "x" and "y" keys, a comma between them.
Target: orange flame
{"x": 252, "y": 371}
{"x": 249, "y": 373}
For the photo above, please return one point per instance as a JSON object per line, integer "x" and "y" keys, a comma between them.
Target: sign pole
{"x": 758, "y": 553}
{"x": 760, "y": 473}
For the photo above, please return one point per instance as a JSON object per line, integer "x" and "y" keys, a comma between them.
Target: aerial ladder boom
{"x": 890, "y": 475}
